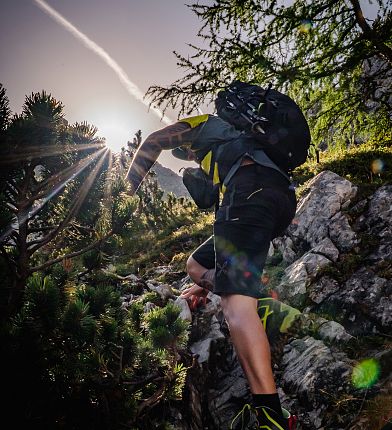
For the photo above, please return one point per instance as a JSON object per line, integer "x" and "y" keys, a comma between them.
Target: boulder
{"x": 201, "y": 348}
{"x": 185, "y": 313}
{"x": 328, "y": 192}
{"x": 297, "y": 277}
{"x": 313, "y": 373}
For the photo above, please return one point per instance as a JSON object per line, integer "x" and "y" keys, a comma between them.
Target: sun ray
{"x": 56, "y": 187}
{"x": 75, "y": 206}
{"x": 43, "y": 152}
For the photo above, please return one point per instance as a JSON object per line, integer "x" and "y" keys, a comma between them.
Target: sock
{"x": 268, "y": 400}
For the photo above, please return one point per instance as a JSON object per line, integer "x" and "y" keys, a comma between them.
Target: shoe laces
{"x": 241, "y": 415}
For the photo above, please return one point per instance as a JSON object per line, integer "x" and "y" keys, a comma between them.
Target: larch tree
{"x": 334, "y": 61}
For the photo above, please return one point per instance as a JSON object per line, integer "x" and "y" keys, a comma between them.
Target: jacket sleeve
{"x": 170, "y": 137}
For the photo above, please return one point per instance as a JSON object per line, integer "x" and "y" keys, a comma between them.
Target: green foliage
{"x": 152, "y": 297}
{"x": 357, "y": 164}
{"x": 61, "y": 193}
{"x": 81, "y": 359}
{"x": 94, "y": 259}
{"x": 165, "y": 329}
{"x": 5, "y": 111}
{"x": 326, "y": 54}
{"x": 42, "y": 301}
{"x": 135, "y": 311}
{"x": 122, "y": 215}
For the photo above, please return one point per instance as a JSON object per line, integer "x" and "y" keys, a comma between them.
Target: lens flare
{"x": 366, "y": 373}
{"x": 377, "y": 166}
{"x": 305, "y": 26}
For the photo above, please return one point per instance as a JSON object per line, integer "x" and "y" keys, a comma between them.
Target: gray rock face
{"x": 363, "y": 303}
{"x": 317, "y": 377}
{"x": 328, "y": 193}
{"x": 201, "y": 349}
{"x": 322, "y": 289}
{"x": 379, "y": 215}
{"x": 331, "y": 331}
{"x": 298, "y": 276}
{"x": 186, "y": 313}
{"x": 310, "y": 370}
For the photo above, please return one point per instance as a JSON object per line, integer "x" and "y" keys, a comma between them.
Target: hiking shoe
{"x": 268, "y": 419}
{"x": 263, "y": 418}
{"x": 245, "y": 419}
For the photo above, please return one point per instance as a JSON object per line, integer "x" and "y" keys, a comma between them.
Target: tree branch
{"x": 38, "y": 229}
{"x": 71, "y": 255}
{"x": 12, "y": 208}
{"x": 369, "y": 32}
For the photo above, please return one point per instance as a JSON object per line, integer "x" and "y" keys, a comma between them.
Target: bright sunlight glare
{"x": 116, "y": 136}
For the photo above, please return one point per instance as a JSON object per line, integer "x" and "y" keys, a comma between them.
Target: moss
{"x": 124, "y": 269}
{"x": 356, "y": 164}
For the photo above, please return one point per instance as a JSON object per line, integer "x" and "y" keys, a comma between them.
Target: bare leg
{"x": 195, "y": 270}
{"x": 247, "y": 333}
{"x": 250, "y": 341}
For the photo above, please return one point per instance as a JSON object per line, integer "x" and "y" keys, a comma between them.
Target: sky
{"x": 39, "y": 52}
{"x": 98, "y": 57}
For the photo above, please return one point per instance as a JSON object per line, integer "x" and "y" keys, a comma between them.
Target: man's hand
{"x": 196, "y": 296}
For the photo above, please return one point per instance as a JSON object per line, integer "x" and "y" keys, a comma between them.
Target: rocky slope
{"x": 333, "y": 352}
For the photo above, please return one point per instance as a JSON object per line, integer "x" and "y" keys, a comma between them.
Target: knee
{"x": 238, "y": 310}
{"x": 194, "y": 269}
{"x": 230, "y": 314}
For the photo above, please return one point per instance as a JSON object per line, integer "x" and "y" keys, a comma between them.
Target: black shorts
{"x": 251, "y": 215}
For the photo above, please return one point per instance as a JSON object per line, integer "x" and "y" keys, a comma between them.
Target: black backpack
{"x": 274, "y": 120}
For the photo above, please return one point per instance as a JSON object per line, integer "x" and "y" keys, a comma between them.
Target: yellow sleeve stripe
{"x": 215, "y": 179}
{"x": 206, "y": 163}
{"x": 194, "y": 121}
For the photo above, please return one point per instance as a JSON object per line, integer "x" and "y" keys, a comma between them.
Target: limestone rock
{"x": 312, "y": 372}
{"x": 202, "y": 347}
{"x": 297, "y": 277}
{"x": 185, "y": 313}
{"x": 364, "y": 303}
{"x": 323, "y": 288}
{"x": 328, "y": 192}
{"x": 164, "y": 290}
{"x": 286, "y": 247}
{"x": 380, "y": 208}
{"x": 331, "y": 331}
{"x": 341, "y": 232}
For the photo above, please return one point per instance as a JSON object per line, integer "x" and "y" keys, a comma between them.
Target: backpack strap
{"x": 259, "y": 157}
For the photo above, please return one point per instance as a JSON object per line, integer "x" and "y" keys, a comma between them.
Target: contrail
{"x": 132, "y": 89}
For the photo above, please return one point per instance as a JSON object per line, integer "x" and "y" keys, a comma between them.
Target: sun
{"x": 116, "y": 135}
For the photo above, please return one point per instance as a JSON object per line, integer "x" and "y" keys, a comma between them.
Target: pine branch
{"x": 370, "y": 34}
{"x": 49, "y": 263}
{"x": 152, "y": 400}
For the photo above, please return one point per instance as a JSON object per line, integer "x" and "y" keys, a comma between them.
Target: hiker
{"x": 258, "y": 204}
